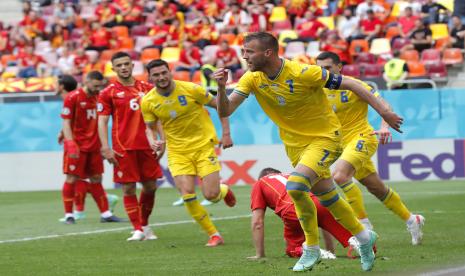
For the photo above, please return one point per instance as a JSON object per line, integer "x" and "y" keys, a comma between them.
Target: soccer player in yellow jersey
{"x": 292, "y": 95}
{"x": 190, "y": 140}
{"x": 360, "y": 143}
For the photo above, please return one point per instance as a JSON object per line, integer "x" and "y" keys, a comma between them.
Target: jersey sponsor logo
{"x": 120, "y": 94}
{"x": 66, "y": 111}
{"x": 173, "y": 114}
{"x": 99, "y": 107}
{"x": 281, "y": 100}
{"x": 91, "y": 114}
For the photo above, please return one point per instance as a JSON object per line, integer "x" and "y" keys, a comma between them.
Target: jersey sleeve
{"x": 104, "y": 105}
{"x": 201, "y": 95}
{"x": 256, "y": 197}
{"x": 68, "y": 107}
{"x": 319, "y": 77}
{"x": 245, "y": 86}
{"x": 372, "y": 90}
{"x": 147, "y": 113}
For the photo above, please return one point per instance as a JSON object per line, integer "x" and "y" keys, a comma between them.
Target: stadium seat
{"x": 181, "y": 75}
{"x": 358, "y": 46}
{"x": 139, "y": 30}
{"x": 380, "y": 46}
{"x": 282, "y": 26}
{"x": 76, "y": 33}
{"x": 430, "y": 56}
{"x": 437, "y": 71}
{"x": 120, "y": 31}
{"x": 416, "y": 69}
{"x": 399, "y": 43}
{"x": 313, "y": 49}
{"x": 441, "y": 43}
{"x": 391, "y": 32}
{"x": 138, "y": 68}
{"x": 142, "y": 42}
{"x": 149, "y": 54}
{"x": 106, "y": 55}
{"x": 439, "y": 31}
{"x": 365, "y": 58}
{"x": 351, "y": 70}
{"x": 230, "y": 38}
{"x": 452, "y": 56}
{"x": 170, "y": 54}
{"x": 286, "y": 35}
{"x": 278, "y": 14}
{"x": 125, "y": 43}
{"x": 328, "y": 21}
{"x": 8, "y": 59}
{"x": 410, "y": 55}
{"x": 396, "y": 9}
{"x": 294, "y": 49}
{"x": 372, "y": 71}
{"x": 196, "y": 77}
{"x": 133, "y": 54}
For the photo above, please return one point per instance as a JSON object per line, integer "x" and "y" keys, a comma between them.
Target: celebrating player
{"x": 190, "y": 138}
{"x": 292, "y": 96}
{"x": 82, "y": 158}
{"x": 360, "y": 143}
{"x": 270, "y": 191}
{"x": 132, "y": 158}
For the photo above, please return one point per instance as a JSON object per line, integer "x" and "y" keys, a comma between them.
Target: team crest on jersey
{"x": 120, "y": 94}
{"x": 66, "y": 111}
{"x": 99, "y": 107}
{"x": 83, "y": 104}
{"x": 281, "y": 100}
{"x": 173, "y": 114}
{"x": 72, "y": 167}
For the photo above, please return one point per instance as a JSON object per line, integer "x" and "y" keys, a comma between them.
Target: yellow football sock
{"x": 223, "y": 191}
{"x": 341, "y": 211}
{"x": 354, "y": 197}
{"x": 199, "y": 213}
{"x": 393, "y": 202}
{"x": 298, "y": 187}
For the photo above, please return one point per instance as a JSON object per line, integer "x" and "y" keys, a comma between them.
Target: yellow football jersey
{"x": 186, "y": 123}
{"x": 294, "y": 100}
{"x": 351, "y": 111}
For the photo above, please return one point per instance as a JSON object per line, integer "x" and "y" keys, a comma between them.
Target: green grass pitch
{"x": 180, "y": 248}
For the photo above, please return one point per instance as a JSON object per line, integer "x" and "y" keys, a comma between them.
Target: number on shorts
{"x": 324, "y": 156}
{"x": 182, "y": 100}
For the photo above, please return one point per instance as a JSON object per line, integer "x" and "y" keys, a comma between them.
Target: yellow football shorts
{"x": 318, "y": 155}
{"x": 200, "y": 162}
{"x": 358, "y": 152}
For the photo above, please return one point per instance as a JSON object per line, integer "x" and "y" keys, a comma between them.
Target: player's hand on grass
{"x": 221, "y": 76}
{"x": 109, "y": 155}
{"x": 226, "y": 141}
{"x": 384, "y": 135}
{"x": 393, "y": 120}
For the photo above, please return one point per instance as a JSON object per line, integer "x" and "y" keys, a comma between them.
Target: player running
{"x": 191, "y": 140}
{"x": 132, "y": 158}
{"x": 360, "y": 143}
{"x": 82, "y": 158}
{"x": 270, "y": 191}
{"x": 292, "y": 96}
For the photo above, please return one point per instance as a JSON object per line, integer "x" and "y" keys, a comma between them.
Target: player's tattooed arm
{"x": 394, "y": 120}
{"x": 258, "y": 233}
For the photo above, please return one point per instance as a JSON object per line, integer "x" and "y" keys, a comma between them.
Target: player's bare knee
{"x": 212, "y": 194}
{"x": 129, "y": 189}
{"x": 341, "y": 178}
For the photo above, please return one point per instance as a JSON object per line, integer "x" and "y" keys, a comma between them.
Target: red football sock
{"x": 132, "y": 209}
{"x": 68, "y": 197}
{"x": 147, "y": 200}
{"x": 98, "y": 193}
{"x": 80, "y": 191}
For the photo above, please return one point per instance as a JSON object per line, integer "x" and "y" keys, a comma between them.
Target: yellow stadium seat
{"x": 396, "y": 9}
{"x": 278, "y": 14}
{"x": 439, "y": 31}
{"x": 380, "y": 46}
{"x": 170, "y": 54}
{"x": 328, "y": 21}
{"x": 286, "y": 34}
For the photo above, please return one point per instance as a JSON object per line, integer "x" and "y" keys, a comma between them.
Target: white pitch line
{"x": 114, "y": 229}
{"x": 449, "y": 271}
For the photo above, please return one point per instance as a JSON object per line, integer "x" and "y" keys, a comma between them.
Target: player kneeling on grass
{"x": 270, "y": 191}
{"x": 82, "y": 158}
{"x": 190, "y": 138}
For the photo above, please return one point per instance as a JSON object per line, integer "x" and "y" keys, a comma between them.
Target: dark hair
{"x": 156, "y": 63}
{"x": 118, "y": 55}
{"x": 267, "y": 171}
{"x": 94, "y": 75}
{"x": 333, "y": 56}
{"x": 267, "y": 40}
{"x": 68, "y": 82}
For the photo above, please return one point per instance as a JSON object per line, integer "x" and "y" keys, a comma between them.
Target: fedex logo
{"x": 419, "y": 166}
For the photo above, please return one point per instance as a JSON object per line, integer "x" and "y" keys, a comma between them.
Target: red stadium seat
{"x": 452, "y": 56}
{"x": 365, "y": 58}
{"x": 437, "y": 71}
{"x": 416, "y": 69}
{"x": 399, "y": 43}
{"x": 430, "y": 56}
{"x": 372, "y": 71}
{"x": 351, "y": 70}
{"x": 133, "y": 54}
{"x": 139, "y": 30}
{"x": 282, "y": 25}
{"x": 410, "y": 55}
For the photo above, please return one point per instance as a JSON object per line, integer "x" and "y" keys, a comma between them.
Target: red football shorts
{"x": 136, "y": 166}
{"x": 88, "y": 164}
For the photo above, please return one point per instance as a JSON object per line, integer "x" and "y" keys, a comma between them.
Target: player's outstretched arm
{"x": 384, "y": 134}
{"x": 226, "y": 105}
{"x": 154, "y": 129}
{"x": 394, "y": 120}
{"x": 106, "y": 151}
{"x": 258, "y": 233}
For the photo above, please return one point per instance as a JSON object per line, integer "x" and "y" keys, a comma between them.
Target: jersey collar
{"x": 280, "y": 70}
